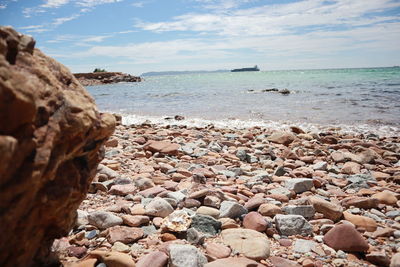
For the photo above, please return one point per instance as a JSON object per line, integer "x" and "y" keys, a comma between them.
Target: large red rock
{"x": 345, "y": 237}
{"x": 51, "y": 135}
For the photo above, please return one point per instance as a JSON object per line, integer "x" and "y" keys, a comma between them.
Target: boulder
{"x": 51, "y": 138}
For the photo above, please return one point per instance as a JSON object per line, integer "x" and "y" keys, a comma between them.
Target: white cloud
{"x": 279, "y": 18}
{"x": 222, "y": 4}
{"x": 54, "y": 3}
{"x": 92, "y": 3}
{"x": 58, "y": 21}
{"x": 3, "y": 6}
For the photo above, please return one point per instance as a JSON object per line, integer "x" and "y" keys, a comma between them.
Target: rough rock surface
{"x": 98, "y": 78}
{"x": 51, "y": 136}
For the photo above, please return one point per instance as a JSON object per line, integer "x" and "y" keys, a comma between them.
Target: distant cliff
{"x": 98, "y": 78}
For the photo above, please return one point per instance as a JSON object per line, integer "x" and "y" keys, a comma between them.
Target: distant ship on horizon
{"x": 255, "y": 68}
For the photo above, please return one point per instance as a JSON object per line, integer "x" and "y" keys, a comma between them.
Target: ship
{"x": 255, "y": 68}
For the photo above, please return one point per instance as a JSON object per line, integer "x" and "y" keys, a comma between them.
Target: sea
{"x": 365, "y": 100}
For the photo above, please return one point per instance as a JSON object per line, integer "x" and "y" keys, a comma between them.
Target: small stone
{"x": 164, "y": 147}
{"x": 195, "y": 237}
{"x": 120, "y": 247}
{"x": 208, "y": 211}
{"x": 255, "y": 221}
{"x": 285, "y": 242}
{"x": 395, "y": 261}
{"x": 303, "y": 246}
{"x": 308, "y": 263}
{"x": 123, "y": 189}
{"x": 383, "y": 232}
{"x": 281, "y": 262}
{"x": 307, "y": 211}
{"x": 217, "y": 251}
{"x": 231, "y": 209}
{"x": 299, "y": 185}
{"x": 329, "y": 210}
{"x": 177, "y": 221}
{"x": 234, "y": 262}
{"x": 165, "y": 237}
{"x": 268, "y": 209}
{"x": 351, "y": 168}
{"x": 124, "y": 234}
{"x": 361, "y": 221}
{"x": 292, "y": 225}
{"x": 345, "y": 237}
{"x": 320, "y": 166}
{"x": 113, "y": 258}
{"x": 284, "y": 138}
{"x": 378, "y": 258}
{"x": 386, "y": 197}
{"x": 103, "y": 219}
{"x": 153, "y": 259}
{"x": 206, "y": 224}
{"x": 185, "y": 256}
{"x": 77, "y": 252}
{"x": 250, "y": 243}
{"x": 159, "y": 207}
{"x": 136, "y": 220}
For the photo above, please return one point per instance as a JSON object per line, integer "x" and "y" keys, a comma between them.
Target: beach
{"x": 189, "y": 195}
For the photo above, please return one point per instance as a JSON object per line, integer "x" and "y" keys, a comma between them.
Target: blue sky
{"x": 137, "y": 36}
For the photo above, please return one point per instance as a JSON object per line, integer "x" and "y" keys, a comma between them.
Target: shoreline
{"x": 383, "y": 130}
{"x": 160, "y": 182}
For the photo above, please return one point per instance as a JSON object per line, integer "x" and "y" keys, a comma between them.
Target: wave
{"x": 373, "y": 127}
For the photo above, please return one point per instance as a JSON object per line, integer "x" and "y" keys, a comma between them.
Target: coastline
{"x": 243, "y": 179}
{"x": 100, "y": 78}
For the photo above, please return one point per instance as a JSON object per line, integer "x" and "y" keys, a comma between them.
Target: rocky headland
{"x": 205, "y": 196}
{"x": 99, "y": 78}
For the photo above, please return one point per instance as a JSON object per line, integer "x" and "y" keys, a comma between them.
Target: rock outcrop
{"x": 51, "y": 138}
{"x": 98, "y": 78}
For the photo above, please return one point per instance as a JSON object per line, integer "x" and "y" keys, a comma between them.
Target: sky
{"x": 136, "y": 36}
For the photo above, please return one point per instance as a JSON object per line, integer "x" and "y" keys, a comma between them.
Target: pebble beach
{"x": 176, "y": 195}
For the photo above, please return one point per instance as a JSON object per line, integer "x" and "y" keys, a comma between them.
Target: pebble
{"x": 299, "y": 185}
{"x": 292, "y": 225}
{"x": 345, "y": 237}
{"x": 231, "y": 210}
{"x": 103, "y": 219}
{"x": 185, "y": 256}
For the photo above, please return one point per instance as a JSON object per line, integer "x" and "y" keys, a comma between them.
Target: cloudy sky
{"x": 137, "y": 36}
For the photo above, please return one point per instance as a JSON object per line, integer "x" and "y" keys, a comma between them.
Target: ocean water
{"x": 367, "y": 99}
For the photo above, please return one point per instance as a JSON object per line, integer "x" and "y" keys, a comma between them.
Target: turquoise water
{"x": 326, "y": 97}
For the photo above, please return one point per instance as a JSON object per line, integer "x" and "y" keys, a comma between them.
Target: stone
{"x": 361, "y": 202}
{"x": 120, "y": 247}
{"x": 206, "y": 224}
{"x": 292, "y": 225}
{"x": 123, "y": 189}
{"x": 113, "y": 258}
{"x": 383, "y": 232}
{"x": 136, "y": 220}
{"x": 250, "y": 243}
{"x": 378, "y": 258}
{"x": 345, "y": 237}
{"x": 208, "y": 211}
{"x": 177, "y": 221}
{"x": 164, "y": 147}
{"x": 395, "y": 261}
{"x": 185, "y": 256}
{"x": 303, "y": 246}
{"x": 77, "y": 252}
{"x": 281, "y": 262}
{"x": 154, "y": 259}
{"x": 386, "y": 197}
{"x": 255, "y": 221}
{"x": 195, "y": 237}
{"x": 217, "y": 251}
{"x": 81, "y": 218}
{"x": 234, "y": 262}
{"x": 159, "y": 207}
{"x": 329, "y": 210}
{"x": 124, "y": 234}
{"x": 284, "y": 138}
{"x": 307, "y": 211}
{"x": 143, "y": 183}
{"x": 299, "y": 185}
{"x": 104, "y": 219}
{"x": 320, "y": 166}
{"x": 351, "y": 168}
{"x": 231, "y": 209}
{"x": 268, "y": 209}
{"x": 361, "y": 221}
{"x": 51, "y": 139}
